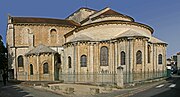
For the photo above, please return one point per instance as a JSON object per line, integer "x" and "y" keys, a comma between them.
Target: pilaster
{"x": 37, "y": 69}
{"x": 52, "y": 70}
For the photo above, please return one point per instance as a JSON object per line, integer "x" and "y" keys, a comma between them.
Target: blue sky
{"x": 162, "y": 15}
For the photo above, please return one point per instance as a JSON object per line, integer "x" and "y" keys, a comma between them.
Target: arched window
{"x": 149, "y": 53}
{"x": 123, "y": 58}
{"x": 31, "y": 69}
{"x": 139, "y": 57}
{"x": 159, "y": 59}
{"x": 53, "y": 32}
{"x": 83, "y": 61}
{"x": 53, "y": 35}
{"x": 69, "y": 62}
{"x": 20, "y": 61}
{"x": 104, "y": 56}
{"x": 45, "y": 68}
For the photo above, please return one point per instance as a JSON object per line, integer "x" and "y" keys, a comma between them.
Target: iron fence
{"x": 96, "y": 77}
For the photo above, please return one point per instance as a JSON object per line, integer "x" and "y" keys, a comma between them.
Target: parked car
{"x": 174, "y": 70}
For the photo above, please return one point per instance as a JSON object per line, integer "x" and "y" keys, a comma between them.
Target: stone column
{"x": 31, "y": 40}
{"x": 95, "y": 65}
{"x": 78, "y": 67}
{"x": 115, "y": 56}
{"x": 53, "y": 69}
{"x": 37, "y": 69}
{"x": 111, "y": 56}
{"x": 120, "y": 82}
{"x": 10, "y": 35}
{"x": 26, "y": 68}
{"x": 130, "y": 58}
{"x": 145, "y": 57}
{"x": 91, "y": 59}
{"x": 74, "y": 59}
{"x": 164, "y": 59}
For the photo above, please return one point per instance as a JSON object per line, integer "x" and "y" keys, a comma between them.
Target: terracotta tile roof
{"x": 178, "y": 53}
{"x": 43, "y": 21}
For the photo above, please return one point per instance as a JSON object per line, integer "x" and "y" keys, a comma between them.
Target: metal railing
{"x": 95, "y": 77}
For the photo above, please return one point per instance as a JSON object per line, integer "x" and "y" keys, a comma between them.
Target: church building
{"x": 87, "y": 46}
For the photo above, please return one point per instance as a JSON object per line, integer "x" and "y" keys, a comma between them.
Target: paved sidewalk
{"x": 130, "y": 91}
{"x": 80, "y": 90}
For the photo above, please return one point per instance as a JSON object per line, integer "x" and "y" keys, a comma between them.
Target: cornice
{"x": 104, "y": 16}
{"x": 42, "y": 24}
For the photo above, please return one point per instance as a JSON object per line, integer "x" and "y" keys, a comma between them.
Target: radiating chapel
{"x": 87, "y": 46}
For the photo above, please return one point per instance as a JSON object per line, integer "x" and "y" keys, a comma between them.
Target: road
{"x": 171, "y": 88}
{"x": 16, "y": 90}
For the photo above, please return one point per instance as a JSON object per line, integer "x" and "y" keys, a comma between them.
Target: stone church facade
{"x": 83, "y": 47}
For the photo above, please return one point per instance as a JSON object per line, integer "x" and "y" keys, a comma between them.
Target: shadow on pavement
{"x": 12, "y": 90}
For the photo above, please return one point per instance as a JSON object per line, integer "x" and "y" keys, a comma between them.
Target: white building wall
{"x": 178, "y": 61}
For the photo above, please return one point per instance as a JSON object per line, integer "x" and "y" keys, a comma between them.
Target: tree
{"x": 3, "y": 56}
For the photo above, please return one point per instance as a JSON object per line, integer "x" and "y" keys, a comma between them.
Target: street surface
{"x": 169, "y": 89}
{"x": 15, "y": 90}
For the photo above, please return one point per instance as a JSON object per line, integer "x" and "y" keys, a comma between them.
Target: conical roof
{"x": 81, "y": 37}
{"x": 130, "y": 33}
{"x": 40, "y": 49}
{"x": 155, "y": 40}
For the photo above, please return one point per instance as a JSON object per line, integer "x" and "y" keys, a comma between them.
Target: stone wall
{"x": 37, "y": 61}
{"x": 42, "y": 35}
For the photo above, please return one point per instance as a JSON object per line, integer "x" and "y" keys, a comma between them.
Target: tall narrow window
{"x": 139, "y": 57}
{"x": 149, "y": 53}
{"x": 159, "y": 59}
{"x": 45, "y": 68}
{"x": 53, "y": 35}
{"x": 123, "y": 58}
{"x": 31, "y": 69}
{"x": 104, "y": 56}
{"x": 69, "y": 62}
{"x": 83, "y": 61}
{"x": 20, "y": 61}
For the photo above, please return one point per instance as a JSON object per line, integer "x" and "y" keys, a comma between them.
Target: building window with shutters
{"x": 139, "y": 57}
{"x": 83, "y": 61}
{"x": 104, "y": 56}
{"x": 123, "y": 58}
